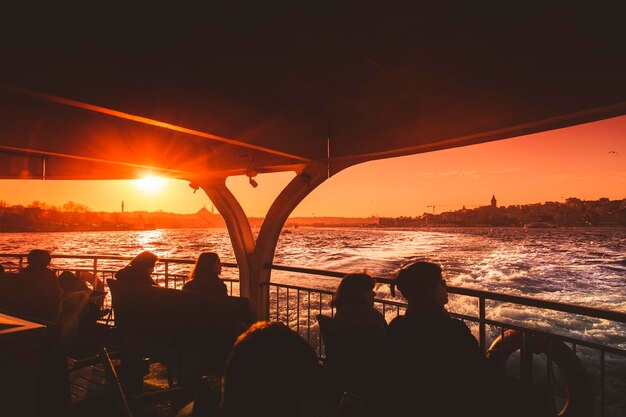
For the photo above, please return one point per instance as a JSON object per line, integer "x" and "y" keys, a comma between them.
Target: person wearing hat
{"x": 437, "y": 352}
{"x": 139, "y": 269}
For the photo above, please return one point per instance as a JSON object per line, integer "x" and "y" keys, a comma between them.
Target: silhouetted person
{"x": 90, "y": 312}
{"x": 139, "y": 269}
{"x": 71, "y": 283}
{"x": 436, "y": 353}
{"x": 40, "y": 292}
{"x": 132, "y": 369}
{"x": 355, "y": 339}
{"x": 204, "y": 276}
{"x": 354, "y": 302}
{"x": 40, "y": 298}
{"x": 88, "y": 277}
{"x": 271, "y": 371}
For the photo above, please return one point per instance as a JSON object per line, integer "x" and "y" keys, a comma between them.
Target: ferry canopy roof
{"x": 238, "y": 87}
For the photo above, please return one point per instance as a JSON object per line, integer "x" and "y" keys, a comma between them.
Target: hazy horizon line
{"x": 461, "y": 206}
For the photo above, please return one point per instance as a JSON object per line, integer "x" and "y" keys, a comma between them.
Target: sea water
{"x": 585, "y": 266}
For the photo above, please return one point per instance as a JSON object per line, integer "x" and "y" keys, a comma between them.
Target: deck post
{"x": 313, "y": 174}
{"x": 253, "y": 256}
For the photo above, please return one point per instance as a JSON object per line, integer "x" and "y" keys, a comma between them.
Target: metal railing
{"x": 102, "y": 267}
{"x": 297, "y": 307}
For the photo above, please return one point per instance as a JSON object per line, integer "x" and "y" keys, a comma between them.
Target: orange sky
{"x": 586, "y": 161}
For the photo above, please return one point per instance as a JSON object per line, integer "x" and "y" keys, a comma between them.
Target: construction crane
{"x": 442, "y": 205}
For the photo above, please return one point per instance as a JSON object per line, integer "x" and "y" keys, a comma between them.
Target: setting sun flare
{"x": 149, "y": 184}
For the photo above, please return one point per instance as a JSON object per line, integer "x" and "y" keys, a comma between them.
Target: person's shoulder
{"x": 218, "y": 287}
{"x": 397, "y": 324}
{"x": 122, "y": 273}
{"x": 377, "y": 316}
{"x": 38, "y": 274}
{"x": 458, "y": 324}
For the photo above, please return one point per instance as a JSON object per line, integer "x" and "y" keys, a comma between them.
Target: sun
{"x": 149, "y": 184}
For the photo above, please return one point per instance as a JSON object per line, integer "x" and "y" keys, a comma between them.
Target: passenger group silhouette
{"x": 424, "y": 362}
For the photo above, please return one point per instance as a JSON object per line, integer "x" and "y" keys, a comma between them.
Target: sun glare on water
{"x": 150, "y": 184}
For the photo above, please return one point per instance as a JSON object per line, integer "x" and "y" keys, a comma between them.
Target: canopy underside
{"x": 241, "y": 89}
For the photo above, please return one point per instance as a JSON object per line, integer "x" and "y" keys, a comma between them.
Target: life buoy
{"x": 579, "y": 391}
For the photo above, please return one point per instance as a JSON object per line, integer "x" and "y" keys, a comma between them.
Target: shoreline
{"x": 324, "y": 226}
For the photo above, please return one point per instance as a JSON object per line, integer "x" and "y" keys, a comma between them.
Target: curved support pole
{"x": 238, "y": 228}
{"x": 306, "y": 181}
{"x": 251, "y": 256}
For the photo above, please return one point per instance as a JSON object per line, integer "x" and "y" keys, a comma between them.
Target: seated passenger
{"x": 70, "y": 283}
{"x": 356, "y": 337}
{"x": 90, "y": 279}
{"x": 204, "y": 276}
{"x": 139, "y": 269}
{"x": 436, "y": 352}
{"x": 271, "y": 371}
{"x": 40, "y": 292}
{"x": 354, "y": 301}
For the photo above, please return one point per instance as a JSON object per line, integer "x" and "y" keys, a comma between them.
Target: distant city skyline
{"x": 586, "y": 161}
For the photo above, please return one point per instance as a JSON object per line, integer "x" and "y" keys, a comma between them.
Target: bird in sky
{"x": 613, "y": 152}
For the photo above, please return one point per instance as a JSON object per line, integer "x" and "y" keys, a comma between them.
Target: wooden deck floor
{"x": 87, "y": 383}
{"x": 92, "y": 397}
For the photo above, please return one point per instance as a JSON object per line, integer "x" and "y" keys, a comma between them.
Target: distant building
{"x": 494, "y": 202}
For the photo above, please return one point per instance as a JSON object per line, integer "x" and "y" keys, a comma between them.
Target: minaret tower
{"x": 494, "y": 203}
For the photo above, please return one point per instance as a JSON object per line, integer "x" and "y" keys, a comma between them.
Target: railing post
{"x": 526, "y": 358}
{"x": 167, "y": 274}
{"x": 602, "y": 386}
{"x": 95, "y": 275}
{"x": 482, "y": 334}
{"x": 21, "y": 263}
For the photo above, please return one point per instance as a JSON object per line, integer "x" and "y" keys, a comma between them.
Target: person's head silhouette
{"x": 39, "y": 258}
{"x": 71, "y": 283}
{"x": 144, "y": 261}
{"x": 422, "y": 285}
{"x": 354, "y": 289}
{"x": 208, "y": 265}
{"x": 270, "y": 371}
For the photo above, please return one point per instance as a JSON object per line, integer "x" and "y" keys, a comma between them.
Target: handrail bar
{"x": 580, "y": 342}
{"x": 564, "y": 338}
{"x": 112, "y": 257}
{"x": 475, "y": 319}
{"x": 550, "y": 305}
{"x": 527, "y": 301}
